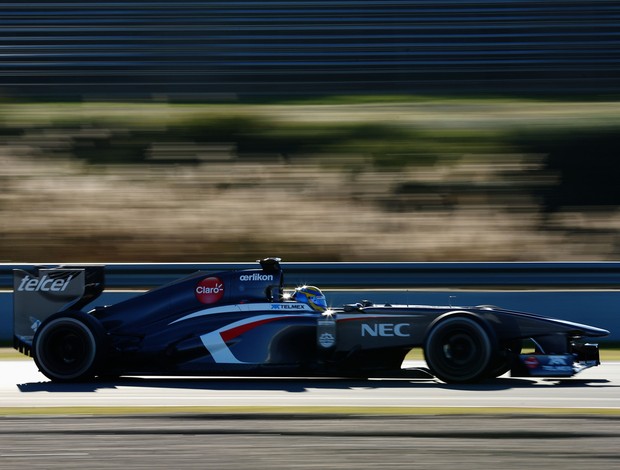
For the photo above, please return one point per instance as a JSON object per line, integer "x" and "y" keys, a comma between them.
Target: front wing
{"x": 557, "y": 365}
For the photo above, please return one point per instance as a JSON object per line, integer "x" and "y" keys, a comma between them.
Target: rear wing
{"x": 46, "y": 291}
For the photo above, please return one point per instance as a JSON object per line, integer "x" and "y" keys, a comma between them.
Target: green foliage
{"x": 116, "y": 133}
{"x": 99, "y": 140}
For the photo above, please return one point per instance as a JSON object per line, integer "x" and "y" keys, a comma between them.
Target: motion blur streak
{"x": 226, "y": 49}
{"x": 363, "y": 147}
{"x": 412, "y": 181}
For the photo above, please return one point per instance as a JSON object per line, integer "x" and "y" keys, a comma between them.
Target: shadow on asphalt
{"x": 300, "y": 385}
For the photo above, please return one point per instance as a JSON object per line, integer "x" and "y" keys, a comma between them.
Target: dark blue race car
{"x": 244, "y": 323}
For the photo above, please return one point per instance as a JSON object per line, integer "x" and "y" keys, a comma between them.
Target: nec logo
{"x": 386, "y": 329}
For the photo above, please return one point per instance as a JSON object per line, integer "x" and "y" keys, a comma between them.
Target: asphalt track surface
{"x": 216, "y": 435}
{"x": 309, "y": 442}
{"x": 21, "y": 385}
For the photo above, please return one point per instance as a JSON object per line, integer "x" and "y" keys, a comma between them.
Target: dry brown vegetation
{"x": 372, "y": 199}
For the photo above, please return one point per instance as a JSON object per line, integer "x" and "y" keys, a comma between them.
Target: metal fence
{"x": 132, "y": 48}
{"x": 533, "y": 275}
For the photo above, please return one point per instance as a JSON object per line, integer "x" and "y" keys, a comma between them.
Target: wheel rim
{"x": 65, "y": 349}
{"x": 460, "y": 350}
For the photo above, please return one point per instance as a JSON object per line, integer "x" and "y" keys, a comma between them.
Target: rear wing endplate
{"x": 45, "y": 291}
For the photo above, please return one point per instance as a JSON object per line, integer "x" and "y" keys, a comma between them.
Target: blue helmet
{"x": 312, "y": 296}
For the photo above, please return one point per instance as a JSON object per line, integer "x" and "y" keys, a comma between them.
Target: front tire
{"x": 459, "y": 349}
{"x": 68, "y": 347}
{"x": 504, "y": 358}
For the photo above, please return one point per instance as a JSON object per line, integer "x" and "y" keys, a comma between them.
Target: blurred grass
{"x": 129, "y": 141}
{"x": 396, "y": 132}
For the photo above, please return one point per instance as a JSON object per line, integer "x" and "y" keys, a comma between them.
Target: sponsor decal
{"x": 386, "y": 329}
{"x": 45, "y": 284}
{"x": 327, "y": 340}
{"x": 256, "y": 277}
{"x": 558, "y": 369}
{"x": 210, "y": 290}
{"x": 531, "y": 362}
{"x": 557, "y": 361}
{"x": 262, "y": 307}
{"x": 554, "y": 365}
{"x": 558, "y": 364}
{"x": 290, "y": 306}
{"x": 35, "y": 324}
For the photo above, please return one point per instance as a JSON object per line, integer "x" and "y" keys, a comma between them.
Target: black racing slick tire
{"x": 504, "y": 358}
{"x": 459, "y": 349}
{"x": 68, "y": 347}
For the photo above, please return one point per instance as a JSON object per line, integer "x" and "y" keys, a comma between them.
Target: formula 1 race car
{"x": 244, "y": 323}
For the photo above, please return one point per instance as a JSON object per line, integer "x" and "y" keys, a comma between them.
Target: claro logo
{"x": 386, "y": 329}
{"x": 45, "y": 284}
{"x": 210, "y": 290}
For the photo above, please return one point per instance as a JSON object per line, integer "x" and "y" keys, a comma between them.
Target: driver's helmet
{"x": 312, "y": 296}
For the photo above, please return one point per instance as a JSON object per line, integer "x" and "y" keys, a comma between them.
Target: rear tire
{"x": 67, "y": 347}
{"x": 459, "y": 349}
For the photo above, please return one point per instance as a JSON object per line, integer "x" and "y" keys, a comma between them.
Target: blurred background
{"x": 327, "y": 130}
